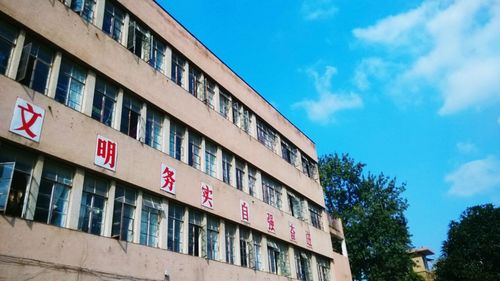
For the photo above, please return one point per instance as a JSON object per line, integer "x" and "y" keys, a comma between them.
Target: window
{"x": 230, "y": 243}
{"x": 212, "y": 238}
{"x": 35, "y": 65}
{"x": 273, "y": 255}
{"x": 294, "y": 205}
{"x": 113, "y": 21}
{"x": 288, "y": 152}
{"x": 240, "y": 174}
{"x": 195, "y": 81}
{"x": 154, "y": 124}
{"x": 315, "y": 215}
{"x": 278, "y": 258}
{"x": 70, "y": 84}
{"x": 8, "y": 38}
{"x": 85, "y": 8}
{"x": 252, "y": 179}
{"x": 124, "y": 213}
{"x": 139, "y": 40}
{"x": 241, "y": 116}
{"x": 178, "y": 65}
{"x": 131, "y": 116}
{"x": 175, "y": 222}
{"x": 226, "y": 167}
{"x": 150, "y": 220}
{"x": 210, "y": 159}
{"x": 308, "y": 167}
{"x": 157, "y": 59}
{"x": 224, "y": 104}
{"x": 194, "y": 151}
{"x": 323, "y": 269}
{"x": 271, "y": 192}
{"x": 266, "y": 135}
{"x": 16, "y": 167}
{"x": 209, "y": 92}
{"x": 194, "y": 233}
{"x": 176, "y": 138}
{"x": 257, "y": 240}
{"x": 103, "y": 106}
{"x": 302, "y": 265}
{"x": 94, "y": 197}
{"x": 53, "y": 195}
{"x": 245, "y": 248}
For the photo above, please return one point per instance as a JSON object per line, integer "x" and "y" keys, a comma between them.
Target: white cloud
{"x": 475, "y": 177}
{"x": 328, "y": 102}
{"x": 466, "y": 147}
{"x": 318, "y": 9}
{"x": 368, "y": 69}
{"x": 452, "y": 46}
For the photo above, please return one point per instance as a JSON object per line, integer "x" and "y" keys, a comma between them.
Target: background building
{"x": 129, "y": 151}
{"x": 421, "y": 261}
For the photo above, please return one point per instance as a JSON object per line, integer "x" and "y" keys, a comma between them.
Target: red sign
{"x": 292, "y": 232}
{"x": 167, "y": 179}
{"x": 207, "y": 199}
{"x": 270, "y": 223}
{"x": 244, "y": 210}
{"x": 106, "y": 153}
{"x": 308, "y": 239}
{"x": 27, "y": 120}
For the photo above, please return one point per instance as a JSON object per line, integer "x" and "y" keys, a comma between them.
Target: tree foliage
{"x": 372, "y": 211}
{"x": 472, "y": 249}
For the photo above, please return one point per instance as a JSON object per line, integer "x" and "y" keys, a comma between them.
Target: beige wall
{"x": 92, "y": 46}
{"x": 71, "y": 136}
{"x": 72, "y": 255}
{"x": 341, "y": 268}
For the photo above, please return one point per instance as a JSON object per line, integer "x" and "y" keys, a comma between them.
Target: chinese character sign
{"x": 167, "y": 180}
{"x": 308, "y": 239}
{"x": 244, "y": 211}
{"x": 270, "y": 223}
{"x": 292, "y": 232}
{"x": 207, "y": 196}
{"x": 27, "y": 120}
{"x": 105, "y": 153}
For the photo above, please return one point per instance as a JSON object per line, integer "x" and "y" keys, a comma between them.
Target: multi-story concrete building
{"x": 420, "y": 258}
{"x": 129, "y": 151}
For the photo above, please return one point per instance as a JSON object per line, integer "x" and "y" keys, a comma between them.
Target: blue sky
{"x": 411, "y": 88}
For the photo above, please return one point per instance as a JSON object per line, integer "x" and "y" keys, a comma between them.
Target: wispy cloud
{"x": 318, "y": 9}
{"x": 466, "y": 147}
{"x": 327, "y": 102}
{"x": 450, "y": 45}
{"x": 475, "y": 177}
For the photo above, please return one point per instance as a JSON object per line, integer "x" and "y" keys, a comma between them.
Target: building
{"x": 420, "y": 258}
{"x": 129, "y": 151}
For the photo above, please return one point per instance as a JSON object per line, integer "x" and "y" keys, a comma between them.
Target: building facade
{"x": 421, "y": 259}
{"x": 129, "y": 151}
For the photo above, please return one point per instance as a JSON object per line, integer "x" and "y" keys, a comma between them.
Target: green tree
{"x": 372, "y": 211}
{"x": 472, "y": 249}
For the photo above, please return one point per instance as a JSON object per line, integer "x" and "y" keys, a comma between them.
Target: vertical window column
{"x": 108, "y": 211}
{"x": 75, "y": 199}
{"x": 138, "y": 216}
{"x": 88, "y": 93}
{"x": 99, "y": 12}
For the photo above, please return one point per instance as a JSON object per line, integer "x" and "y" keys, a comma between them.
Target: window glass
{"x": 154, "y": 125}
{"x": 35, "y": 65}
{"x": 131, "y": 116}
{"x": 103, "y": 106}
{"x": 271, "y": 192}
{"x": 210, "y": 159}
{"x": 85, "y": 8}
{"x": 194, "y": 150}
{"x": 53, "y": 194}
{"x": 212, "y": 238}
{"x": 70, "y": 84}
{"x": 178, "y": 65}
{"x": 150, "y": 220}
{"x": 176, "y": 138}
{"x": 230, "y": 243}
{"x": 139, "y": 40}
{"x": 8, "y": 38}
{"x": 195, "y": 82}
{"x": 92, "y": 208}
{"x": 113, "y": 21}
{"x": 195, "y": 232}
{"x": 175, "y": 222}
{"x": 124, "y": 213}
{"x": 226, "y": 167}
{"x": 157, "y": 59}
